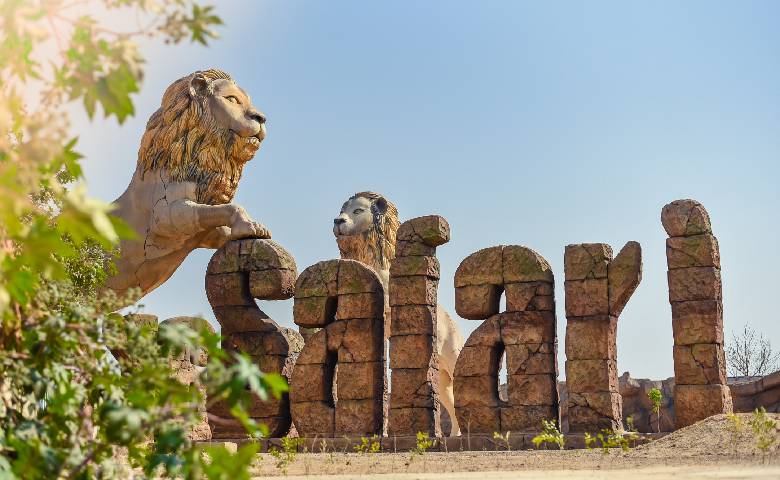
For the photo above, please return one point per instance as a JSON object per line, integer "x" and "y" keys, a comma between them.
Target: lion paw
{"x": 249, "y": 229}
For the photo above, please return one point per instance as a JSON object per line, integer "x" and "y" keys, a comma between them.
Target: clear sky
{"x": 541, "y": 124}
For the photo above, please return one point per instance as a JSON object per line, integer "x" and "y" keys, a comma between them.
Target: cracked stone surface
{"x": 339, "y": 384}
{"x": 238, "y": 273}
{"x": 695, "y": 293}
{"x": 524, "y": 334}
{"x": 598, "y": 287}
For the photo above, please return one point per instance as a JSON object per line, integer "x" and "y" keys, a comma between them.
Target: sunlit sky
{"x": 541, "y": 124}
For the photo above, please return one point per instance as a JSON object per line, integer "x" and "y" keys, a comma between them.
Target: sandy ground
{"x": 707, "y": 450}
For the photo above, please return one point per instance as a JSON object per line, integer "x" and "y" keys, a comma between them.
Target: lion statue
{"x": 191, "y": 158}
{"x": 365, "y": 230}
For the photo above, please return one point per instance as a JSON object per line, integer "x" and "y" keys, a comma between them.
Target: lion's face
{"x": 232, "y": 110}
{"x": 356, "y": 217}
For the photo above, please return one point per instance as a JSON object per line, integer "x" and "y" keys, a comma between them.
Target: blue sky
{"x": 541, "y": 124}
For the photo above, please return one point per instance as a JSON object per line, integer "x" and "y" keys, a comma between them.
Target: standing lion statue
{"x": 191, "y": 158}
{"x": 365, "y": 230}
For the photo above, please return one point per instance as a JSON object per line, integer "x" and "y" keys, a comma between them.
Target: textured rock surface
{"x": 414, "y": 279}
{"x": 525, "y": 334}
{"x": 695, "y": 294}
{"x": 597, "y": 289}
{"x": 339, "y": 385}
{"x": 238, "y": 273}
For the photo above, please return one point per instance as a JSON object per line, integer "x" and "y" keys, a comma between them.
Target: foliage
{"x": 68, "y": 408}
{"x": 368, "y": 445}
{"x": 735, "y": 427}
{"x": 630, "y": 424}
{"x": 550, "y": 434}
{"x": 503, "y": 438}
{"x": 750, "y": 354}
{"x": 607, "y": 439}
{"x": 656, "y": 397}
{"x": 764, "y": 430}
{"x": 423, "y": 443}
{"x": 286, "y": 455}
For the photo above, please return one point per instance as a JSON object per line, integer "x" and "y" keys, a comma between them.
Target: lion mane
{"x": 184, "y": 142}
{"x": 376, "y": 246}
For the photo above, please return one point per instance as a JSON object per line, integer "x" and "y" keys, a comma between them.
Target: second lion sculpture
{"x": 191, "y": 158}
{"x": 365, "y": 230}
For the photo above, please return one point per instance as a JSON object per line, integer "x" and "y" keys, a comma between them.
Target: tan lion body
{"x": 366, "y": 231}
{"x": 189, "y": 164}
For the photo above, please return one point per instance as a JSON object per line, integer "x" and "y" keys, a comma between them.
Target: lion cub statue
{"x": 365, "y": 230}
{"x": 190, "y": 161}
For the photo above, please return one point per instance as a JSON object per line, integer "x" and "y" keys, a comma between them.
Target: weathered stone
{"x": 527, "y": 327}
{"x": 314, "y": 418}
{"x": 530, "y": 359}
{"x": 521, "y": 264}
{"x": 272, "y": 284}
{"x": 477, "y": 419}
{"x": 360, "y": 305}
{"x": 586, "y": 261}
{"x": 315, "y": 350}
{"x": 530, "y": 390}
{"x": 484, "y": 267}
{"x": 358, "y": 417}
{"x": 417, "y": 265}
{"x": 625, "y": 273}
{"x": 228, "y": 289}
{"x": 409, "y": 421}
{"x": 697, "y": 322}
{"x": 477, "y": 302}
{"x": 360, "y": 380}
{"x": 519, "y": 296}
{"x": 487, "y": 333}
{"x": 312, "y": 382}
{"x": 319, "y": 280}
{"x": 314, "y": 312}
{"x": 591, "y": 338}
{"x": 699, "y": 364}
{"x": 355, "y": 277}
{"x": 413, "y": 319}
{"x": 358, "y": 340}
{"x": 591, "y": 376}
{"x": 414, "y": 387}
{"x": 417, "y": 290}
{"x": 526, "y": 418}
{"x": 407, "y": 248}
{"x": 244, "y": 318}
{"x": 684, "y": 218}
{"x": 593, "y": 411}
{"x": 694, "y": 251}
{"x": 225, "y": 259}
{"x": 478, "y": 360}
{"x": 257, "y": 255}
{"x": 431, "y": 230}
{"x": 476, "y": 391}
{"x": 587, "y": 297}
{"x": 412, "y": 351}
{"x": 694, "y": 283}
{"x": 697, "y": 402}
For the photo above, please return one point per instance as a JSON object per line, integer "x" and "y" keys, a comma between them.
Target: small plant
{"x": 656, "y": 397}
{"x": 764, "y": 429}
{"x": 590, "y": 441}
{"x": 736, "y": 427}
{"x": 368, "y": 445}
{"x": 550, "y": 434}
{"x": 287, "y": 454}
{"x": 504, "y": 439}
{"x": 424, "y": 442}
{"x": 630, "y": 424}
{"x": 609, "y": 439}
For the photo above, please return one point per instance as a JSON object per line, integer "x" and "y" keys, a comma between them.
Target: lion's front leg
{"x": 184, "y": 218}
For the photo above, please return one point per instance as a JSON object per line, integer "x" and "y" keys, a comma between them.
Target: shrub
{"x": 550, "y": 434}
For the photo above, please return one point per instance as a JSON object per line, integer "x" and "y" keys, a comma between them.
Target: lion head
{"x": 205, "y": 130}
{"x": 365, "y": 229}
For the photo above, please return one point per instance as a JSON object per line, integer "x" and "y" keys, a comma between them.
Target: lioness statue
{"x": 365, "y": 230}
{"x": 189, "y": 164}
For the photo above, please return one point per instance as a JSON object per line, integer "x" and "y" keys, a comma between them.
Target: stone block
{"x": 356, "y": 277}
{"x": 697, "y": 402}
{"x": 532, "y": 390}
{"x": 586, "y": 261}
{"x": 314, "y": 312}
{"x": 360, "y": 380}
{"x": 225, "y": 259}
{"x": 262, "y": 254}
{"x": 477, "y": 302}
{"x": 272, "y": 284}
{"x": 694, "y": 251}
{"x": 476, "y": 391}
{"x": 699, "y": 364}
{"x": 314, "y": 418}
{"x": 625, "y": 273}
{"x": 405, "y": 248}
{"x": 694, "y": 283}
{"x": 224, "y": 289}
{"x": 311, "y": 382}
{"x": 412, "y": 351}
{"x": 413, "y": 320}
{"x": 488, "y": 333}
{"x": 476, "y": 419}
{"x": 360, "y": 305}
{"x": 697, "y": 322}
{"x": 527, "y": 327}
{"x": 319, "y": 280}
{"x": 519, "y": 296}
{"x": 591, "y": 375}
{"x": 483, "y": 267}
{"x": 315, "y": 350}
{"x": 409, "y": 421}
{"x": 242, "y": 318}
{"x": 358, "y": 340}
{"x": 593, "y": 411}
{"x": 591, "y": 338}
{"x": 416, "y": 290}
{"x": 359, "y": 417}
{"x": 542, "y": 303}
{"x": 530, "y": 359}
{"x": 414, "y": 387}
{"x": 684, "y": 218}
{"x": 431, "y": 230}
{"x": 415, "y": 266}
{"x": 587, "y": 297}
{"x": 478, "y": 360}
{"x": 521, "y": 264}
{"x": 526, "y": 418}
